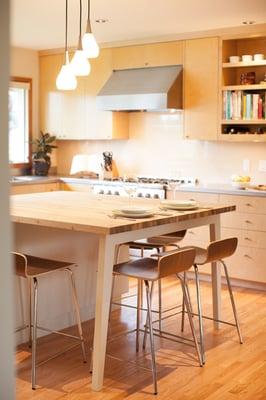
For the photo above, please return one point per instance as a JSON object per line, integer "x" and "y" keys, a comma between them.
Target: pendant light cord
{"x": 89, "y": 10}
{"x": 88, "y": 29}
{"x": 80, "y": 18}
{"x": 66, "y": 27}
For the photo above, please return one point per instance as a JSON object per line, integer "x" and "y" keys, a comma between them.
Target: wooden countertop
{"x": 85, "y": 212}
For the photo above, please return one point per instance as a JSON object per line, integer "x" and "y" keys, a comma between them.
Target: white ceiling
{"x": 39, "y": 24}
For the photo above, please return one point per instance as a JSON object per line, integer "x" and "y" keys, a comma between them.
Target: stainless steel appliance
{"x": 146, "y": 187}
{"x": 150, "y": 88}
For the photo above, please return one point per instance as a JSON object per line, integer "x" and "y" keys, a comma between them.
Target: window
{"x": 19, "y": 121}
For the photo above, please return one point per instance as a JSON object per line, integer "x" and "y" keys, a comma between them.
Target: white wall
{"x": 25, "y": 64}
{"x": 7, "y": 385}
{"x": 156, "y": 147}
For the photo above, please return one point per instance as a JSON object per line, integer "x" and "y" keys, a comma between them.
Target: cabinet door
{"x": 102, "y": 124}
{"x": 73, "y": 112}
{"x": 50, "y": 97}
{"x": 148, "y": 55}
{"x": 201, "y": 84}
{"x": 36, "y": 188}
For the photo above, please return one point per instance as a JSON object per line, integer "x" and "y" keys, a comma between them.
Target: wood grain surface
{"x": 85, "y": 212}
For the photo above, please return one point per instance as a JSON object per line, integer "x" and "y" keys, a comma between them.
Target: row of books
{"x": 238, "y": 104}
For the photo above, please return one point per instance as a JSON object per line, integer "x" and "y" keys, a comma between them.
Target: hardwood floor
{"x": 232, "y": 371}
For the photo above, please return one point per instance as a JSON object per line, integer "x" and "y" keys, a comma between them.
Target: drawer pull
{"x": 247, "y": 256}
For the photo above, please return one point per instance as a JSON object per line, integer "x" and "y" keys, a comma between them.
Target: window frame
{"x": 29, "y": 81}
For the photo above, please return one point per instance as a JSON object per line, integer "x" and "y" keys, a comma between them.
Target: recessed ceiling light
{"x": 248, "y": 22}
{"x": 101, "y": 20}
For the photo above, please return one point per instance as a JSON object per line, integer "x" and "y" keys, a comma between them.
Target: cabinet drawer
{"x": 246, "y": 238}
{"x": 246, "y": 204}
{"x": 202, "y": 197}
{"x": 76, "y": 187}
{"x": 248, "y": 263}
{"x": 252, "y": 222}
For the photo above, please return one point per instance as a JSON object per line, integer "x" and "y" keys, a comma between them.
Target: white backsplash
{"x": 156, "y": 148}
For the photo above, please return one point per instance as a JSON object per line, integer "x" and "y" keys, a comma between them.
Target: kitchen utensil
{"x": 108, "y": 160}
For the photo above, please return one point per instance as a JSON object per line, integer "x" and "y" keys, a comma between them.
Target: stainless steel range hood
{"x": 151, "y": 89}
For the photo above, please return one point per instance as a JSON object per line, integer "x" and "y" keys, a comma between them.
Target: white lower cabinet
{"x": 247, "y": 223}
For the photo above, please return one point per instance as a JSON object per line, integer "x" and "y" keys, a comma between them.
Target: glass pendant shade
{"x": 90, "y": 46}
{"x": 66, "y": 79}
{"x": 80, "y": 65}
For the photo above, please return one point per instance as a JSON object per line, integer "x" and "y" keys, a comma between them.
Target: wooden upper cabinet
{"x": 73, "y": 115}
{"x": 201, "y": 89}
{"x": 148, "y": 55}
{"x": 50, "y": 97}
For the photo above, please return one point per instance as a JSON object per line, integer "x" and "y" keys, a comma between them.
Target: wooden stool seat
{"x": 143, "y": 268}
{"x": 36, "y": 266}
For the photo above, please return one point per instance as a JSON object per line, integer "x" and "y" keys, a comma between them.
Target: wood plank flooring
{"x": 232, "y": 371}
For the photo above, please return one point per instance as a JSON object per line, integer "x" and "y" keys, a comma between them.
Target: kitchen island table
{"x": 77, "y": 216}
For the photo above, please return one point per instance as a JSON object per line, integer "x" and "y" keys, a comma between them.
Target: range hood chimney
{"x": 151, "y": 89}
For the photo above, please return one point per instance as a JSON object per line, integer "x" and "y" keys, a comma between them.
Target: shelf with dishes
{"x": 244, "y": 64}
{"x": 243, "y": 89}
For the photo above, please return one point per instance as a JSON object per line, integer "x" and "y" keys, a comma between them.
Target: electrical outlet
{"x": 246, "y": 165}
{"x": 262, "y": 165}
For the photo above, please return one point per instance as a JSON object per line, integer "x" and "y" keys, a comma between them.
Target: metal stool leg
{"x": 200, "y": 314}
{"x": 34, "y": 334}
{"x": 138, "y": 314}
{"x": 190, "y": 319}
{"x": 160, "y": 295}
{"x": 76, "y": 305}
{"x": 183, "y": 304}
{"x": 30, "y": 313}
{"x": 232, "y": 301}
{"x": 146, "y": 323}
{"x": 149, "y": 313}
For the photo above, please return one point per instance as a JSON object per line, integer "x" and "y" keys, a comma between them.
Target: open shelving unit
{"x": 244, "y": 127}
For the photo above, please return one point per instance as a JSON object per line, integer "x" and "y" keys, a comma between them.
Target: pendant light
{"x": 66, "y": 80}
{"x": 89, "y": 44}
{"x": 79, "y": 63}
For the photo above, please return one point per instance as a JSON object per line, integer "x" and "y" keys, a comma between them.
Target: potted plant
{"x": 41, "y": 156}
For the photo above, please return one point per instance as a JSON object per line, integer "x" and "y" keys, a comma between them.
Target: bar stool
{"x": 216, "y": 251}
{"x": 158, "y": 243}
{"x": 149, "y": 270}
{"x": 32, "y": 268}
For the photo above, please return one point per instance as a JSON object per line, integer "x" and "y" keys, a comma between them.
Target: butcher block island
{"x": 81, "y": 228}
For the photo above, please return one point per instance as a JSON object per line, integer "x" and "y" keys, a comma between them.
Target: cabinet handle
{"x": 247, "y": 256}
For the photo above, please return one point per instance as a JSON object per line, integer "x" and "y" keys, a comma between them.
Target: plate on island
{"x": 135, "y": 210}
{"x": 183, "y": 205}
{"x": 126, "y": 212}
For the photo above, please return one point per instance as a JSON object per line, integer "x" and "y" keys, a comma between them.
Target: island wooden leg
{"x": 103, "y": 297}
{"x": 215, "y": 234}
